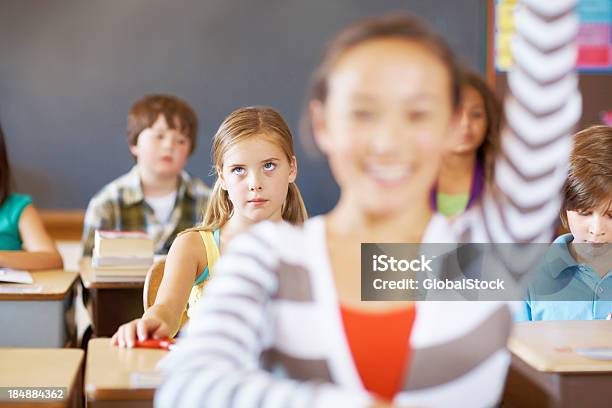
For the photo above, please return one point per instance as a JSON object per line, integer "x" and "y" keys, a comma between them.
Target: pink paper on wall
{"x": 594, "y": 48}
{"x": 606, "y": 117}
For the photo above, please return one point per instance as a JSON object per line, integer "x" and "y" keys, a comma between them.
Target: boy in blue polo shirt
{"x": 575, "y": 281}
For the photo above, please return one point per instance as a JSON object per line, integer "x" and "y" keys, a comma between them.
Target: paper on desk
{"x": 20, "y": 289}
{"x": 15, "y": 276}
{"x": 596, "y": 353}
{"x": 146, "y": 379}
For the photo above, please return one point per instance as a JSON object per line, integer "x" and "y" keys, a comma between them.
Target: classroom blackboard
{"x": 70, "y": 69}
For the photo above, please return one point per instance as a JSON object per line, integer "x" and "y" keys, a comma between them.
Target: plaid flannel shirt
{"x": 121, "y": 205}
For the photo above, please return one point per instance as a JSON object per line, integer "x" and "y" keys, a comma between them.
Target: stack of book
{"x": 121, "y": 255}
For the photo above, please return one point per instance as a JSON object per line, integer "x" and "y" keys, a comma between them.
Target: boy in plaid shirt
{"x": 156, "y": 195}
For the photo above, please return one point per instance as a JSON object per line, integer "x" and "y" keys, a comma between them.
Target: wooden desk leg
{"x": 526, "y": 387}
{"x": 77, "y": 400}
{"x": 586, "y": 390}
{"x": 70, "y": 318}
{"x": 113, "y": 307}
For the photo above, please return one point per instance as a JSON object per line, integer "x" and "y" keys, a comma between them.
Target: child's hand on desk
{"x": 145, "y": 328}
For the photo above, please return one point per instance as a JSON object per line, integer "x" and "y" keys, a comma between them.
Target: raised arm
{"x": 542, "y": 109}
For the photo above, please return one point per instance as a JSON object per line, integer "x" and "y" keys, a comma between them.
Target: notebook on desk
{"x": 20, "y": 288}
{"x": 15, "y": 276}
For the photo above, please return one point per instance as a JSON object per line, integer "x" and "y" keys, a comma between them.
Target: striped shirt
{"x": 269, "y": 331}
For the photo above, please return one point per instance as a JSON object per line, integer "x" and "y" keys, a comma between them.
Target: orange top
{"x": 379, "y": 343}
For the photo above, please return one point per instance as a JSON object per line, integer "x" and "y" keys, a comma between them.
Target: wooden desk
{"x": 547, "y": 372}
{"x": 63, "y": 224}
{"x": 43, "y": 368}
{"x": 109, "y": 375}
{"x": 43, "y": 319}
{"x": 110, "y": 304}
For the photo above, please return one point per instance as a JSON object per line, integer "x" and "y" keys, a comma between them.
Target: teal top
{"x": 566, "y": 290}
{"x": 10, "y": 212}
{"x": 204, "y": 274}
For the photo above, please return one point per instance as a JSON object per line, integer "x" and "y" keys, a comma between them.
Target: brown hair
{"x": 403, "y": 26}
{"x": 589, "y": 181}
{"x": 489, "y": 148}
{"x": 178, "y": 114}
{"x": 5, "y": 170}
{"x": 242, "y": 124}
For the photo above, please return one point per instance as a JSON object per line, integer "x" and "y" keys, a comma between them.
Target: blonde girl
{"x": 255, "y": 162}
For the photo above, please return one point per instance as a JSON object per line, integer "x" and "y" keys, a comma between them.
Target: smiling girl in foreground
{"x": 384, "y": 101}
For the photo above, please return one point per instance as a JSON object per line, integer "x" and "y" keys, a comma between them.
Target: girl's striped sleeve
{"x": 217, "y": 363}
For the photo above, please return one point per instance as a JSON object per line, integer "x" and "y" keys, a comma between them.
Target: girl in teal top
{"x": 24, "y": 243}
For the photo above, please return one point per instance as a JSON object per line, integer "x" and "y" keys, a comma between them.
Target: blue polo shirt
{"x": 567, "y": 290}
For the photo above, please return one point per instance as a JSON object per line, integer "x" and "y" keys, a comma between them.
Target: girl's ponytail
{"x": 218, "y": 211}
{"x": 294, "y": 210}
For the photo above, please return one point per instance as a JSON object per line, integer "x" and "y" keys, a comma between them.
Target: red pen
{"x": 164, "y": 344}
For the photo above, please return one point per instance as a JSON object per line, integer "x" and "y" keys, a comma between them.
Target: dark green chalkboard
{"x": 69, "y": 70}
